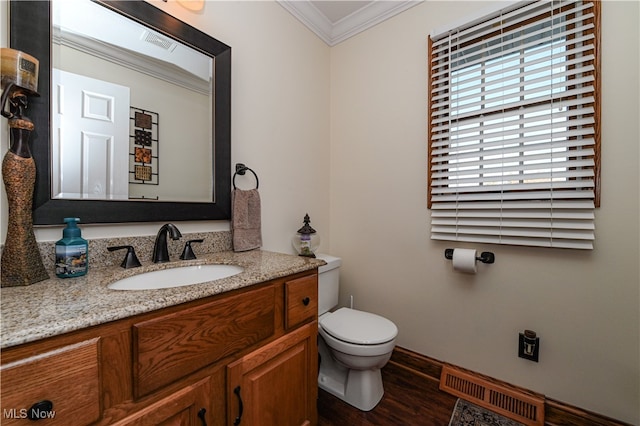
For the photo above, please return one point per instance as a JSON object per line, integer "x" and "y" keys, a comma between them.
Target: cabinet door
{"x": 187, "y": 407}
{"x": 276, "y": 385}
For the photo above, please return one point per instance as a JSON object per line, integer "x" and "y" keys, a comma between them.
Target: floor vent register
{"x": 514, "y": 403}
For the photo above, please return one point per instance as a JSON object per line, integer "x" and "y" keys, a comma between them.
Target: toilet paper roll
{"x": 464, "y": 260}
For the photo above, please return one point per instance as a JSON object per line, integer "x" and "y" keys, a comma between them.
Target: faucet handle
{"x": 130, "y": 259}
{"x": 187, "y": 253}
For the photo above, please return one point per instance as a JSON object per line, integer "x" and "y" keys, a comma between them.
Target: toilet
{"x": 353, "y": 345}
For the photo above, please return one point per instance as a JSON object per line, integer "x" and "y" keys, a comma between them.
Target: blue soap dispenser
{"x": 72, "y": 251}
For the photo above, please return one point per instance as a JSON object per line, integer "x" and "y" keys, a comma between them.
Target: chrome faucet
{"x": 160, "y": 251}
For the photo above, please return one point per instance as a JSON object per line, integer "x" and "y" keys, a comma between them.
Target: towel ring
{"x": 241, "y": 169}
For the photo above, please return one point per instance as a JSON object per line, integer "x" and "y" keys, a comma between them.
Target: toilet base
{"x": 360, "y": 388}
{"x": 363, "y": 389}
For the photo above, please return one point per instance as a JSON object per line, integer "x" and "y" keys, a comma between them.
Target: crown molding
{"x": 369, "y": 15}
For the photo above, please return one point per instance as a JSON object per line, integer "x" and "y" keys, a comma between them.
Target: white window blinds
{"x": 513, "y": 127}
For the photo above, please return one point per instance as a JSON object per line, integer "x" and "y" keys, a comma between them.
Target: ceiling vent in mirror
{"x": 159, "y": 41}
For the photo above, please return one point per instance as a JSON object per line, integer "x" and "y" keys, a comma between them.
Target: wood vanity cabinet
{"x": 245, "y": 357}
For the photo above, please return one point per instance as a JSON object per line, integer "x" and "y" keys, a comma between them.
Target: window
{"x": 513, "y": 127}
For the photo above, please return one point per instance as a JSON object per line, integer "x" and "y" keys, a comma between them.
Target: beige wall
{"x": 583, "y": 305}
{"x": 340, "y": 133}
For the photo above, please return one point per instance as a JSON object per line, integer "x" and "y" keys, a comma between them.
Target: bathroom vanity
{"x": 237, "y": 351}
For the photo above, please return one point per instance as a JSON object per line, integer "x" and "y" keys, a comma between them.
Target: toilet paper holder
{"x": 485, "y": 256}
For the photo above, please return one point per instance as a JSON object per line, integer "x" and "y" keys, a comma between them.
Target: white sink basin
{"x": 176, "y": 277}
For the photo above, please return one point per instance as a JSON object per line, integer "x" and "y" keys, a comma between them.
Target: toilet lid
{"x": 362, "y": 328}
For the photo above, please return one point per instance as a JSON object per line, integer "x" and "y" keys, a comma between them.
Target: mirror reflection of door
{"x": 90, "y": 137}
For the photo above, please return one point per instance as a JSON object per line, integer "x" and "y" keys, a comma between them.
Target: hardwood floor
{"x": 408, "y": 400}
{"x": 412, "y": 398}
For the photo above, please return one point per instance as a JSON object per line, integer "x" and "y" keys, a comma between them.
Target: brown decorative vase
{"x": 21, "y": 260}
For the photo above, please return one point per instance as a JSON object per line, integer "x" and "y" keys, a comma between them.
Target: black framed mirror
{"x": 31, "y": 32}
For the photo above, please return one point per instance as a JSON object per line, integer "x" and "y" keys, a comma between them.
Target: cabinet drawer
{"x": 301, "y": 300}
{"x": 174, "y": 345}
{"x": 68, "y": 377}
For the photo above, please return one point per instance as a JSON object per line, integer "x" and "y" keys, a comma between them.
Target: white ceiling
{"x": 337, "y": 20}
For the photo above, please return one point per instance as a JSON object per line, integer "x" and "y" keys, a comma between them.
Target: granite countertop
{"x": 58, "y": 306}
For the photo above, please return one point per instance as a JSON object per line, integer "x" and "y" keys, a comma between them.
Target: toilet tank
{"x": 328, "y": 282}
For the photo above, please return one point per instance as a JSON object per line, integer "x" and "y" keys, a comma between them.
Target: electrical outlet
{"x": 529, "y": 345}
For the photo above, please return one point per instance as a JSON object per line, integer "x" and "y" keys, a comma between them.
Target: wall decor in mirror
{"x": 134, "y": 118}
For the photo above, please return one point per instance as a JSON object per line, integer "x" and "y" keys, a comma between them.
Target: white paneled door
{"x": 90, "y": 135}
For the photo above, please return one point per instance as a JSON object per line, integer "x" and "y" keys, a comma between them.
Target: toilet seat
{"x": 358, "y": 327}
